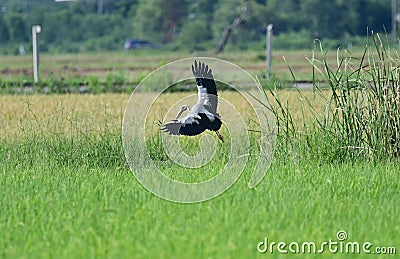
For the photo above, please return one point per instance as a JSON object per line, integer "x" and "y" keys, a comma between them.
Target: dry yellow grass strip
{"x": 65, "y": 114}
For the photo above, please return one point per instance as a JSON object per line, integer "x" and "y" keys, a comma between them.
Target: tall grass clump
{"x": 361, "y": 114}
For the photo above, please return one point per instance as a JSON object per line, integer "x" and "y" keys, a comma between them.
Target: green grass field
{"x": 82, "y": 211}
{"x": 66, "y": 190}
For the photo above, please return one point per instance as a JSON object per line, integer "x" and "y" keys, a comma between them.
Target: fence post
{"x": 36, "y": 29}
{"x": 269, "y": 51}
{"x": 394, "y": 19}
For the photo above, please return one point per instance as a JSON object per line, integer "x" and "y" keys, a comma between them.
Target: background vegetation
{"x": 189, "y": 25}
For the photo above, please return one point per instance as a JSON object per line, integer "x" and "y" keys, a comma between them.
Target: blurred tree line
{"x": 93, "y": 25}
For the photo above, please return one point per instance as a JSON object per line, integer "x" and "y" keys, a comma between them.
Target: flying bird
{"x": 203, "y": 115}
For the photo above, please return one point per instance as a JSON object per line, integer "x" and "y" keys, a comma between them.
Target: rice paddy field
{"x": 66, "y": 190}
{"x": 134, "y": 65}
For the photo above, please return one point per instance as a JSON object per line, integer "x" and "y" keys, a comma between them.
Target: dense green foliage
{"x": 193, "y": 25}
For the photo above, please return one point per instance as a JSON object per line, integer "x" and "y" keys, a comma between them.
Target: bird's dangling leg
{"x": 184, "y": 108}
{"x": 219, "y": 136}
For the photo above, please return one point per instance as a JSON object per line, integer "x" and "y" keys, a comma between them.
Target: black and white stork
{"x": 203, "y": 115}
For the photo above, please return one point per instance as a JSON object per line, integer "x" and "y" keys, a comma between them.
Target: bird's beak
{"x": 184, "y": 108}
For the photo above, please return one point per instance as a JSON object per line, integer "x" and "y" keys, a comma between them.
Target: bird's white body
{"x": 200, "y": 107}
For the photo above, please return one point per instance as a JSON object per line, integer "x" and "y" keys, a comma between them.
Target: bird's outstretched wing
{"x": 190, "y": 125}
{"x": 207, "y": 89}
